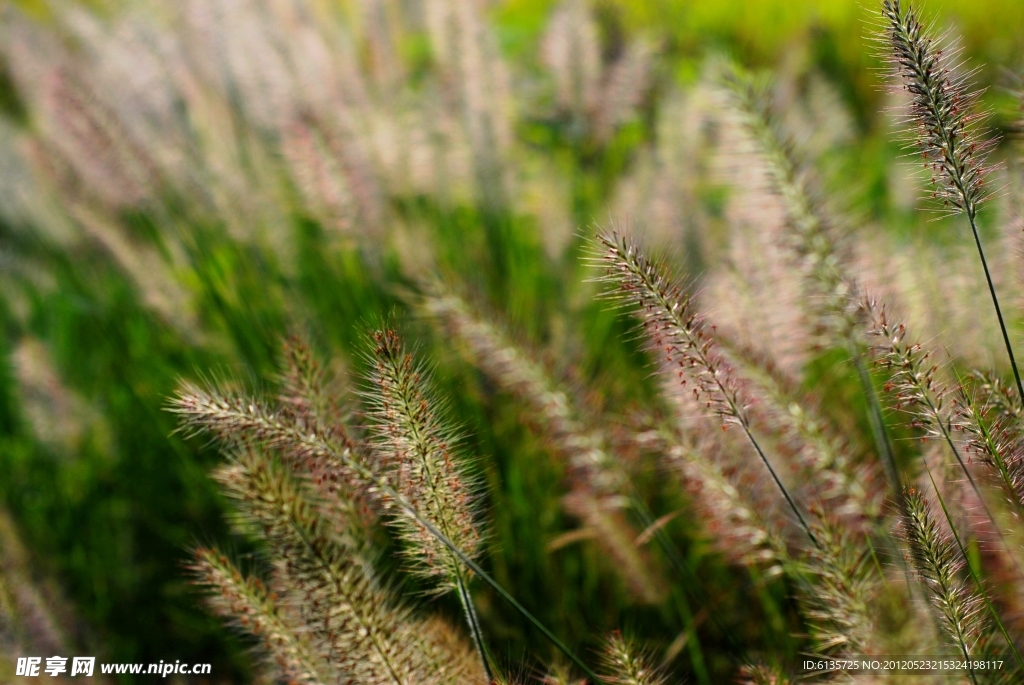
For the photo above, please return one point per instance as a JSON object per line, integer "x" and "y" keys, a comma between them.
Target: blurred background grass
{"x": 108, "y": 498}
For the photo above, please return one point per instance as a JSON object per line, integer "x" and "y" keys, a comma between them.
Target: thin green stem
{"x": 474, "y": 625}
{"x": 877, "y": 421}
{"x": 995, "y": 303}
{"x": 386, "y": 489}
{"x": 778, "y": 482}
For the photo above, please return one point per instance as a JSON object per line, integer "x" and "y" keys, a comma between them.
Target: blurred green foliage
{"x": 838, "y": 34}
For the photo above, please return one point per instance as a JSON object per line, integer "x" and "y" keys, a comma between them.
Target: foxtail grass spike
{"x": 418, "y": 454}
{"x": 416, "y": 449}
{"x": 679, "y": 334}
{"x": 599, "y": 485}
{"x": 939, "y": 566}
{"x": 240, "y": 420}
{"x": 814, "y": 241}
{"x": 838, "y": 596}
{"x": 759, "y": 674}
{"x": 943, "y": 119}
{"x": 357, "y": 624}
{"x": 995, "y": 437}
{"x": 248, "y": 603}
{"x": 625, "y": 665}
{"x": 981, "y": 592}
{"x": 916, "y": 389}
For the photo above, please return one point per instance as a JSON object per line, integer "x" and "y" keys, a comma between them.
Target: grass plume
{"x": 624, "y": 665}
{"x": 681, "y": 335}
{"x": 416, "y": 449}
{"x": 941, "y": 114}
{"x": 938, "y": 565}
{"x": 247, "y": 603}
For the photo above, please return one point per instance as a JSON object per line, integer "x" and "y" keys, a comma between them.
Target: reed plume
{"x": 413, "y": 462}
{"x": 340, "y": 469}
{"x": 913, "y": 383}
{"x": 941, "y": 112}
{"x": 513, "y": 369}
{"x": 839, "y": 582}
{"x": 352, "y": 130}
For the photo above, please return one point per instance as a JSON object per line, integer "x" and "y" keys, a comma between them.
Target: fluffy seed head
{"x": 938, "y": 565}
{"x": 987, "y": 418}
{"x": 913, "y": 383}
{"x": 811, "y": 236}
{"x": 625, "y": 665}
{"x": 246, "y": 602}
{"x": 940, "y": 112}
{"x": 676, "y": 331}
{"x": 839, "y": 592}
{"x": 354, "y": 623}
{"x": 416, "y": 451}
